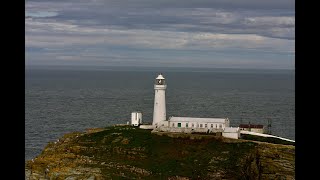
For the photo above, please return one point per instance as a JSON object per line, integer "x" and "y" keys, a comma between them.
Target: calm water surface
{"x": 58, "y": 101}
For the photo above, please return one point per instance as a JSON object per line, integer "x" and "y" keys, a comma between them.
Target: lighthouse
{"x": 159, "y": 108}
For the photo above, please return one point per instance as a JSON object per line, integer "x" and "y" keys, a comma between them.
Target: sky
{"x": 167, "y": 33}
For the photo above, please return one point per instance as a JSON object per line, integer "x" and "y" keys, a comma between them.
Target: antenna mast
{"x": 269, "y": 125}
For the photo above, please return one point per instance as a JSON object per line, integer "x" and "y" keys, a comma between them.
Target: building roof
{"x": 200, "y": 120}
{"x": 258, "y": 126}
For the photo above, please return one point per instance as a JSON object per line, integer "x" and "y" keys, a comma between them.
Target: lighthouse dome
{"x": 160, "y": 76}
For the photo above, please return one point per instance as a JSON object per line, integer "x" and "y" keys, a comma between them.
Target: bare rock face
{"x": 132, "y": 153}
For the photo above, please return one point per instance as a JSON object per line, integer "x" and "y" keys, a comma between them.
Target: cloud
{"x": 212, "y": 18}
{"x": 65, "y": 30}
{"x": 41, "y": 14}
{"x": 286, "y": 21}
{"x": 247, "y": 4}
{"x": 66, "y": 34}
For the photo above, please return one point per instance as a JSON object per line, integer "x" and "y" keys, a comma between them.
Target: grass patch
{"x": 125, "y": 152}
{"x": 166, "y": 156}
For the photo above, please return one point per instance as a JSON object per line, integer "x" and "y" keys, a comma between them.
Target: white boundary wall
{"x": 265, "y": 135}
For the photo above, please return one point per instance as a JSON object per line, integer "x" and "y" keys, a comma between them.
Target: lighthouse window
{"x": 216, "y": 125}
{"x": 192, "y": 125}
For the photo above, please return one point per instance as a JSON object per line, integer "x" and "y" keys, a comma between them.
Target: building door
{"x": 179, "y": 124}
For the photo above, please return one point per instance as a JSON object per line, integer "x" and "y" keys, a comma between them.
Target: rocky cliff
{"x": 131, "y": 153}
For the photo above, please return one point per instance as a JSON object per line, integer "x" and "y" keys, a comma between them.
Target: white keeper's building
{"x": 191, "y": 122}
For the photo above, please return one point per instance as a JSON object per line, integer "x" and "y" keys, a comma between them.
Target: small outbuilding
{"x": 136, "y": 118}
{"x": 231, "y": 132}
{"x": 258, "y": 128}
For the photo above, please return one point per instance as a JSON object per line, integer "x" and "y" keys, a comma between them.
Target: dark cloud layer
{"x": 267, "y": 27}
{"x": 226, "y": 4}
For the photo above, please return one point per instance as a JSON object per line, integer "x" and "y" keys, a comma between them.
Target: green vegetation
{"x": 130, "y": 153}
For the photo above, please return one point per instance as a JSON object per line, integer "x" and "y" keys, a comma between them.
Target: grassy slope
{"x": 134, "y": 153}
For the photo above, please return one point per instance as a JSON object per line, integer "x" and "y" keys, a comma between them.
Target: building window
{"x": 220, "y": 126}
{"x": 216, "y": 125}
{"x": 201, "y": 125}
{"x": 205, "y": 125}
{"x": 211, "y": 125}
{"x": 179, "y": 124}
{"x": 187, "y": 125}
{"x": 172, "y": 124}
{"x": 192, "y": 125}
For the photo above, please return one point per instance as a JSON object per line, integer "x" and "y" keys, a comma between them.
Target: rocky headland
{"x": 124, "y": 152}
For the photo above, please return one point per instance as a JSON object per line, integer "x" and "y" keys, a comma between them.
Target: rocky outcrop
{"x": 132, "y": 153}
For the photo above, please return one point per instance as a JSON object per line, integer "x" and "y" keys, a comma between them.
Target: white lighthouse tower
{"x": 159, "y": 111}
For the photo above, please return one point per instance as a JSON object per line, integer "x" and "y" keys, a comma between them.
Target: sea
{"x": 64, "y": 99}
